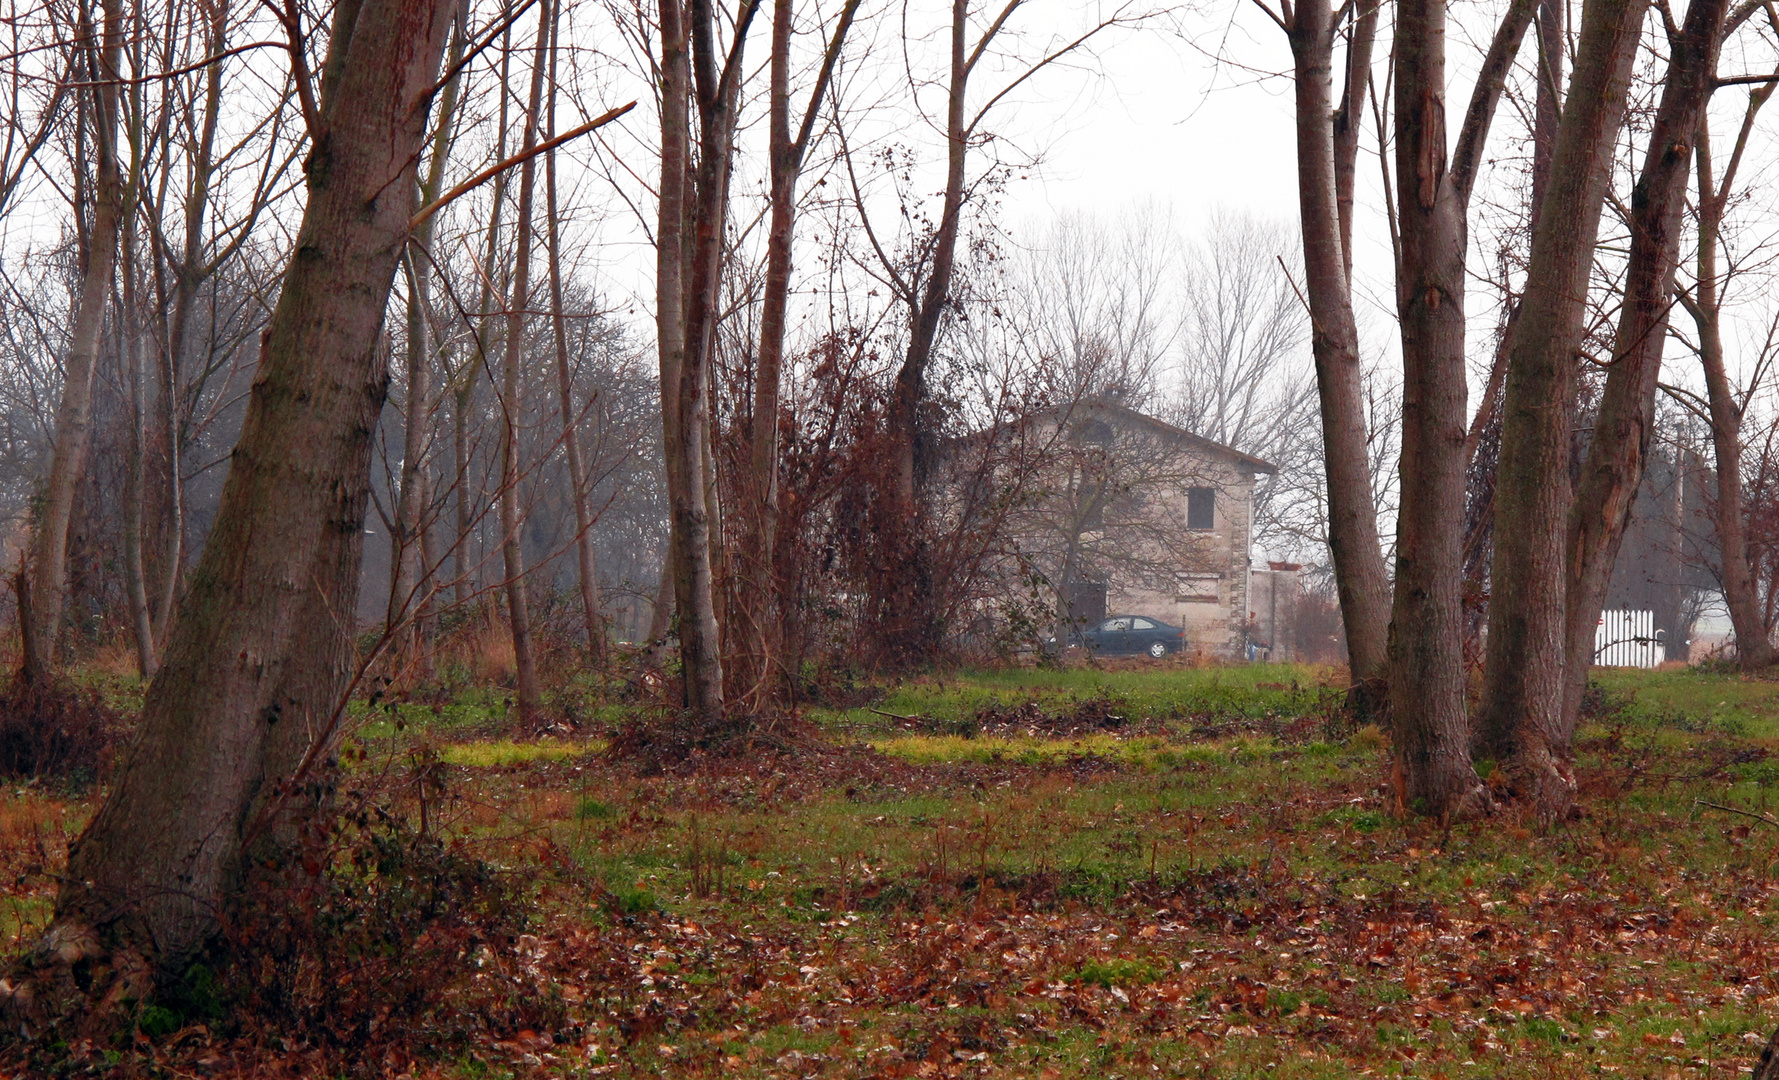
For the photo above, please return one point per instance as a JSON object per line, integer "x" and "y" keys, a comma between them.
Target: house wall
{"x": 1273, "y": 594}
{"x": 1211, "y": 599}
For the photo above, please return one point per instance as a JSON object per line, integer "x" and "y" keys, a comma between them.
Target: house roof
{"x": 1118, "y": 413}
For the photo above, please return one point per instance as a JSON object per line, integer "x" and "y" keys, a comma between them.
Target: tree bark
{"x": 1327, "y": 149}
{"x": 694, "y": 199}
{"x": 1429, "y": 727}
{"x": 49, "y": 540}
{"x": 526, "y": 694}
{"x": 1520, "y": 718}
{"x": 259, "y": 660}
{"x": 1619, "y": 451}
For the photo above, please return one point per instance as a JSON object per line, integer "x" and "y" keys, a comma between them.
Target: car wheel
{"x": 1158, "y": 649}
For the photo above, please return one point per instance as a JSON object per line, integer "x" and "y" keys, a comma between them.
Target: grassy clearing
{"x": 1156, "y": 689}
{"x": 496, "y": 753}
{"x": 1150, "y": 901}
{"x": 1700, "y": 695}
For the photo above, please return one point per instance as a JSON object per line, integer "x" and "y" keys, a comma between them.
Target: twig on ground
{"x": 1733, "y": 810}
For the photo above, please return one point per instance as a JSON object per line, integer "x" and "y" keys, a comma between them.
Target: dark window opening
{"x": 1201, "y": 504}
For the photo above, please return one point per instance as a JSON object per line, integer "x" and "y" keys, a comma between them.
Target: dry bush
{"x": 371, "y": 930}
{"x": 53, "y": 729}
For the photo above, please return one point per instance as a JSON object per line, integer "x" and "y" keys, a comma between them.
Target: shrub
{"x": 372, "y": 929}
{"x": 50, "y": 728}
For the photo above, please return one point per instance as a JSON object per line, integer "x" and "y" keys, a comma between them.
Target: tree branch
{"x": 520, "y": 158}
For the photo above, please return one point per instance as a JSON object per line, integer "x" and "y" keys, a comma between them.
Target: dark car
{"x": 1134, "y": 634}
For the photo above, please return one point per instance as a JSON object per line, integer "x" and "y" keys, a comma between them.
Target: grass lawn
{"x": 1737, "y": 702}
{"x": 1209, "y": 884}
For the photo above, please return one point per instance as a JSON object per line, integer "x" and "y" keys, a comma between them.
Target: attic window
{"x": 1092, "y": 433}
{"x": 1201, "y": 504}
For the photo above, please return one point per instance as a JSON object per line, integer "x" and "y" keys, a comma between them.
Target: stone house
{"x": 1138, "y": 517}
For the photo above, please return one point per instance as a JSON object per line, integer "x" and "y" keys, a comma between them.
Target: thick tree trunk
{"x": 1520, "y": 718}
{"x": 526, "y": 694}
{"x": 260, "y": 657}
{"x": 1619, "y": 451}
{"x": 49, "y": 540}
{"x": 1327, "y": 146}
{"x": 1430, "y": 731}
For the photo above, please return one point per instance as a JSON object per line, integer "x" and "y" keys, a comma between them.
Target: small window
{"x": 1115, "y": 626}
{"x": 1199, "y": 589}
{"x": 1201, "y": 504}
{"x": 1141, "y": 624}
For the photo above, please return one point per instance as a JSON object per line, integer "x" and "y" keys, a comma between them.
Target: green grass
{"x": 1700, "y": 696}
{"x": 1158, "y": 691}
{"x": 1194, "y": 899}
{"x": 494, "y": 753}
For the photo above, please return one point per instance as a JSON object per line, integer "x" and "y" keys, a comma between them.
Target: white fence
{"x": 1628, "y": 639}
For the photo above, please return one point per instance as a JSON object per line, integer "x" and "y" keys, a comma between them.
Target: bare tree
{"x": 694, "y": 205}
{"x": 408, "y": 589}
{"x": 1327, "y": 154}
{"x": 43, "y": 584}
{"x": 512, "y": 401}
{"x": 1431, "y": 734}
{"x": 248, "y": 696}
{"x": 1618, "y": 453}
{"x": 922, "y": 281}
{"x": 759, "y": 640}
{"x": 1520, "y": 717}
{"x": 587, "y": 562}
{"x": 1725, "y": 407}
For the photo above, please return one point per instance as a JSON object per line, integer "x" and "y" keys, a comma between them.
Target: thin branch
{"x": 520, "y": 158}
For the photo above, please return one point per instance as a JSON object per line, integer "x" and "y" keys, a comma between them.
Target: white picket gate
{"x": 1628, "y": 639}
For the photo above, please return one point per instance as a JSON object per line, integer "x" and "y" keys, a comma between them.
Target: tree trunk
{"x": 1327, "y": 147}
{"x": 905, "y": 582}
{"x": 409, "y": 583}
{"x": 1430, "y": 732}
{"x": 49, "y": 539}
{"x": 760, "y": 639}
{"x": 525, "y": 692}
{"x": 585, "y": 552}
{"x": 694, "y": 199}
{"x": 1754, "y": 645}
{"x": 1619, "y": 451}
{"x": 130, "y": 352}
{"x": 1520, "y": 718}
{"x": 260, "y": 656}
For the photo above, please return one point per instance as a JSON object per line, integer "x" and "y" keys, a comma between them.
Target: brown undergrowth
{"x": 1233, "y": 905}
